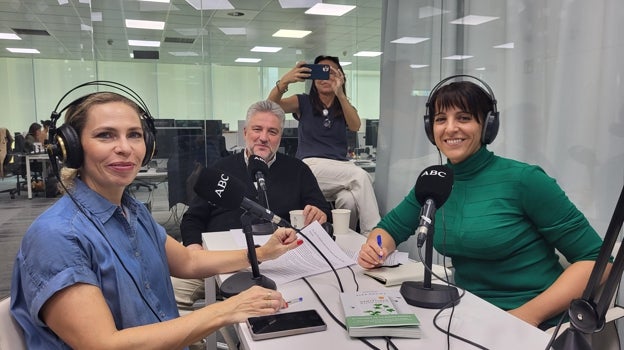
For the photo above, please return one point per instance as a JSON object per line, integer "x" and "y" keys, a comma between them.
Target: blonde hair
{"x": 76, "y": 117}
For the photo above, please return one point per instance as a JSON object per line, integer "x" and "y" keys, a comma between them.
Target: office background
{"x": 555, "y": 68}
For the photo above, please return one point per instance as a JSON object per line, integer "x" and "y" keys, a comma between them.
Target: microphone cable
{"x": 450, "y": 304}
{"x": 555, "y": 332}
{"x": 389, "y": 343}
{"x": 322, "y": 255}
{"x": 123, "y": 265}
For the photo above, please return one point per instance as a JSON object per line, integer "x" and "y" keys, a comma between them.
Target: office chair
{"x": 11, "y": 167}
{"x": 36, "y": 168}
{"x": 14, "y": 165}
{"x": 11, "y": 335}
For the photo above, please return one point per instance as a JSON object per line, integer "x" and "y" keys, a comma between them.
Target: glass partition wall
{"x": 193, "y": 74}
{"x": 554, "y": 68}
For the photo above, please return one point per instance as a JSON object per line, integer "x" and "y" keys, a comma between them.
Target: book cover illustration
{"x": 379, "y": 313}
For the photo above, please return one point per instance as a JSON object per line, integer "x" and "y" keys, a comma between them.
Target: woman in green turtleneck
{"x": 502, "y": 221}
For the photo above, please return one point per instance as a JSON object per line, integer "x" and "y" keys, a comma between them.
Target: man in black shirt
{"x": 290, "y": 185}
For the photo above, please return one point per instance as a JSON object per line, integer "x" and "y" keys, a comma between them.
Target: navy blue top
{"x": 316, "y": 140}
{"x": 62, "y": 247}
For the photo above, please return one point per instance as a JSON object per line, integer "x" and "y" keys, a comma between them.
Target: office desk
{"x": 40, "y": 157}
{"x": 157, "y": 176}
{"x": 365, "y": 164}
{"x": 474, "y": 318}
{"x": 149, "y": 179}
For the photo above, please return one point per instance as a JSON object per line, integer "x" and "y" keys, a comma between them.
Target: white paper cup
{"x": 341, "y": 218}
{"x": 296, "y": 218}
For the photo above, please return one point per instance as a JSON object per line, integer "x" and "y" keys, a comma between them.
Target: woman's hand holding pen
{"x": 255, "y": 301}
{"x": 281, "y": 241}
{"x": 373, "y": 253}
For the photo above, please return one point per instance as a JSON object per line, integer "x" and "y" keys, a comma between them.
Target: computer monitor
{"x": 164, "y": 123}
{"x": 214, "y": 127}
{"x": 171, "y": 139}
{"x": 189, "y": 123}
{"x": 372, "y": 128}
{"x": 352, "y": 141}
{"x": 288, "y": 144}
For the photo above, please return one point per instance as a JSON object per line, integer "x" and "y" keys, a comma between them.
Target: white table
{"x": 40, "y": 157}
{"x": 149, "y": 179}
{"x": 474, "y": 318}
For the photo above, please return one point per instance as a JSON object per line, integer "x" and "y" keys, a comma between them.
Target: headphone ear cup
{"x": 150, "y": 145}
{"x": 490, "y": 128}
{"x": 429, "y": 128}
{"x": 67, "y": 147}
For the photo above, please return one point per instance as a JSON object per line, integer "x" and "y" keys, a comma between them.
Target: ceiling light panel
{"x": 473, "y": 20}
{"x": 368, "y": 54}
{"x": 329, "y": 9}
{"x": 248, "y": 60}
{"x": 409, "y": 40}
{"x": 505, "y": 46}
{"x": 9, "y": 36}
{"x": 234, "y": 31}
{"x": 22, "y": 50}
{"x": 289, "y": 33}
{"x": 457, "y": 57}
{"x": 210, "y": 4}
{"x": 266, "y": 49}
{"x": 183, "y": 53}
{"x": 139, "y": 24}
{"x": 299, "y": 4}
{"x": 429, "y": 11}
{"x": 144, "y": 43}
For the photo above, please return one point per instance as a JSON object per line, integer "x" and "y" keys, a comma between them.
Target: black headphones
{"x": 64, "y": 142}
{"x": 490, "y": 123}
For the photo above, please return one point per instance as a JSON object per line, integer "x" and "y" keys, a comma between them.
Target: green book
{"x": 379, "y": 314}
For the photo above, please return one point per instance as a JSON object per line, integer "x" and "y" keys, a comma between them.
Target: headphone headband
{"x": 491, "y": 121}
{"x": 64, "y": 142}
{"x": 483, "y": 83}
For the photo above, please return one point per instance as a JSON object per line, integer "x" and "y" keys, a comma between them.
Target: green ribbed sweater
{"x": 500, "y": 226}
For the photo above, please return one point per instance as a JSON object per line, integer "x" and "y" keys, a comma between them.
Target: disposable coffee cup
{"x": 341, "y": 218}
{"x": 296, "y": 218}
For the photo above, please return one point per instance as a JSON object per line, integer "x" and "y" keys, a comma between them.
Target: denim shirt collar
{"x": 96, "y": 204}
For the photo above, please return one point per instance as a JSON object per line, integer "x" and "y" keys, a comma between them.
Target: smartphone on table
{"x": 319, "y": 71}
{"x": 285, "y": 324}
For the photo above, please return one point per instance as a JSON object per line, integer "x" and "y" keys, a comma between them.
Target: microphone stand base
{"x": 572, "y": 339}
{"x": 241, "y": 281}
{"x": 436, "y": 296}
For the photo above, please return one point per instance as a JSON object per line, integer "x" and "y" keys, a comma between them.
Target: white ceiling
{"x": 342, "y": 36}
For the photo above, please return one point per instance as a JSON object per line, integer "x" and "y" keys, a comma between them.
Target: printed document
{"x": 304, "y": 260}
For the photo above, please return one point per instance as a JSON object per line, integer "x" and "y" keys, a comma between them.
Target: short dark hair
{"x": 464, "y": 95}
{"x": 34, "y": 127}
{"x": 317, "y": 105}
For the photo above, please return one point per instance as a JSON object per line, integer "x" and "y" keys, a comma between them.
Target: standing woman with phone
{"x": 325, "y": 115}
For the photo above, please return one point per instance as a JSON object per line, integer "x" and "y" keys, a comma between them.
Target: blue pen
{"x": 380, "y": 246}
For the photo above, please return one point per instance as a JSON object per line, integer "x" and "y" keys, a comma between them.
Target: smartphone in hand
{"x": 284, "y": 324}
{"x": 319, "y": 71}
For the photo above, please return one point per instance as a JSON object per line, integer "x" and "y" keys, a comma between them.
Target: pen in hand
{"x": 380, "y": 247}
{"x": 294, "y": 301}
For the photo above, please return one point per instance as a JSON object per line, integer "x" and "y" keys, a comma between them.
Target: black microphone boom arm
{"x": 587, "y": 314}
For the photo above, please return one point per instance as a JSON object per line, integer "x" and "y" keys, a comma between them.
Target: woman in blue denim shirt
{"x": 93, "y": 270}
